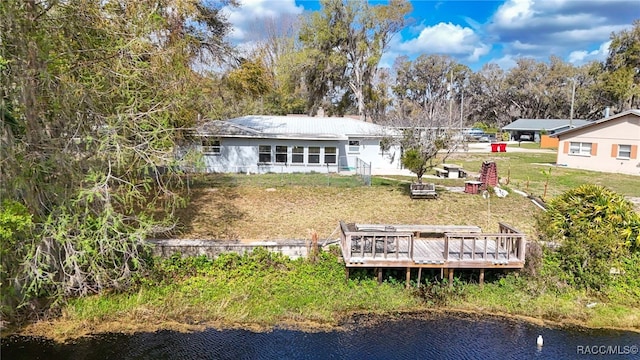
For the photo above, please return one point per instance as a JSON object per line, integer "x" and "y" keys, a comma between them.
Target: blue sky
{"x": 478, "y": 31}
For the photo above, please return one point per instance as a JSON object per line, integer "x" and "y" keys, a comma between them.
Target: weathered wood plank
{"x": 420, "y": 228}
{"x": 396, "y": 246}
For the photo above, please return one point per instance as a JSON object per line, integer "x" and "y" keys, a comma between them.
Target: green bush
{"x": 596, "y": 230}
{"x": 15, "y": 230}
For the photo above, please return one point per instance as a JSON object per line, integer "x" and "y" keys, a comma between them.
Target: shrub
{"x": 534, "y": 259}
{"x": 596, "y": 228}
{"x": 15, "y": 231}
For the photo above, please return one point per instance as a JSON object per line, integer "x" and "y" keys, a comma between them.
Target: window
{"x": 210, "y": 146}
{"x": 354, "y": 146}
{"x": 580, "y": 148}
{"x": 297, "y": 155}
{"x": 264, "y": 153}
{"x": 281, "y": 154}
{"x": 330, "y": 155}
{"x": 624, "y": 151}
{"x": 314, "y": 155}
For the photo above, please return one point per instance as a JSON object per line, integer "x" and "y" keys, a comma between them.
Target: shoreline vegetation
{"x": 50, "y": 330}
{"x": 264, "y": 290}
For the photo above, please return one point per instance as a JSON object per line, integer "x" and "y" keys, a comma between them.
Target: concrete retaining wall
{"x": 165, "y": 248}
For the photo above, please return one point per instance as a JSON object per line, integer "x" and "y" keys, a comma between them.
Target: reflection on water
{"x": 442, "y": 337}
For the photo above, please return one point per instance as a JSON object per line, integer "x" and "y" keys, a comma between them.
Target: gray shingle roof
{"x": 546, "y": 124}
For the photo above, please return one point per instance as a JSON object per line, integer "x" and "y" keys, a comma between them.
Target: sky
{"x": 476, "y": 32}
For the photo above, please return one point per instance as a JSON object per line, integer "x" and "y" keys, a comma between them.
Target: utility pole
{"x": 450, "y": 96}
{"x": 573, "y": 98}
{"x": 461, "y": 108}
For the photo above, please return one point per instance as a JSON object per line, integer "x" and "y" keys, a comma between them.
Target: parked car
{"x": 487, "y": 138}
{"x": 473, "y": 134}
{"x": 525, "y": 137}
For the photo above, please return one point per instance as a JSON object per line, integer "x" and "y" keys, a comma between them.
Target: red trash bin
{"x": 494, "y": 147}
{"x": 503, "y": 147}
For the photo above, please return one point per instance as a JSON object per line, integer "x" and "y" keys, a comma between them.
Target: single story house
{"x": 609, "y": 144}
{"x": 532, "y": 129}
{"x": 294, "y": 144}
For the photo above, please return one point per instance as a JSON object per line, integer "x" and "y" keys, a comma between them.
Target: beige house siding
{"x": 605, "y": 139}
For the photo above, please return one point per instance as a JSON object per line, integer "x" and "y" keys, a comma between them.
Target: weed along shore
{"x": 212, "y": 272}
{"x": 263, "y": 290}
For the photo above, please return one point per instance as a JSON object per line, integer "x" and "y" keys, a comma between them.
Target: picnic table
{"x": 451, "y": 171}
{"x": 441, "y": 172}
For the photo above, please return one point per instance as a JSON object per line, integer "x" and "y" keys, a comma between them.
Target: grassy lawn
{"x": 256, "y": 212}
{"x": 291, "y": 206}
{"x": 266, "y": 289}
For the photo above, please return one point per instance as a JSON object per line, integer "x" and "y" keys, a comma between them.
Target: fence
{"x": 353, "y": 163}
{"x": 363, "y": 169}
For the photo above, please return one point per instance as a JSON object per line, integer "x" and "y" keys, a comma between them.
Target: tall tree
{"x": 486, "y": 101}
{"x": 344, "y": 42}
{"x": 433, "y": 84}
{"x": 425, "y": 91}
{"x": 96, "y": 91}
{"x": 277, "y": 49}
{"x": 622, "y": 79}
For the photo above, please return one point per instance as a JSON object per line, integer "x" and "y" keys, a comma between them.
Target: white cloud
{"x": 446, "y": 38}
{"x": 569, "y": 29}
{"x": 589, "y": 34}
{"x": 514, "y": 14}
{"x": 506, "y": 62}
{"x": 251, "y": 15}
{"x": 581, "y": 57}
{"x": 524, "y": 46}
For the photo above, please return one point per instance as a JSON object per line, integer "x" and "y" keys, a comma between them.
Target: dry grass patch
{"x": 291, "y": 212}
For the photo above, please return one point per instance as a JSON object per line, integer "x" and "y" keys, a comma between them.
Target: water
{"x": 439, "y": 337}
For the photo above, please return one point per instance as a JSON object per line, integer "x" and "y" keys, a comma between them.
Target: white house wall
{"x": 625, "y": 131}
{"x": 369, "y": 152}
{"x": 240, "y": 155}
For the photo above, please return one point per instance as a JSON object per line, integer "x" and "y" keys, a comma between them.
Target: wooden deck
{"x": 431, "y": 246}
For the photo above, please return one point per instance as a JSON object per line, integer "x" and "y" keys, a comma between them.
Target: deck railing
{"x": 498, "y": 247}
{"x": 361, "y": 245}
{"x": 374, "y": 244}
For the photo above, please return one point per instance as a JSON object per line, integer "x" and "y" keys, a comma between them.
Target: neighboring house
{"x": 609, "y": 145}
{"x": 531, "y": 129}
{"x": 293, "y": 144}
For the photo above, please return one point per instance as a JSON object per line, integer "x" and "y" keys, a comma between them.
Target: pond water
{"x": 438, "y": 337}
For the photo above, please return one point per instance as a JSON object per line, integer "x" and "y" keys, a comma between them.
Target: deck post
{"x": 379, "y": 270}
{"x": 386, "y": 241}
{"x": 419, "y": 275}
{"x": 481, "y": 281}
{"x": 411, "y": 247}
{"x": 446, "y": 247}
{"x": 450, "y": 277}
{"x": 473, "y": 248}
{"x": 408, "y": 278}
{"x": 346, "y": 273}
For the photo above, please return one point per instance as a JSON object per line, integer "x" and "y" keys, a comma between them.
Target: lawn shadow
{"x": 210, "y": 212}
{"x": 400, "y": 185}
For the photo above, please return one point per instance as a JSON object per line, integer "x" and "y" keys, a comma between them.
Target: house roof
{"x": 293, "y": 127}
{"x": 546, "y": 124}
{"x": 596, "y": 123}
